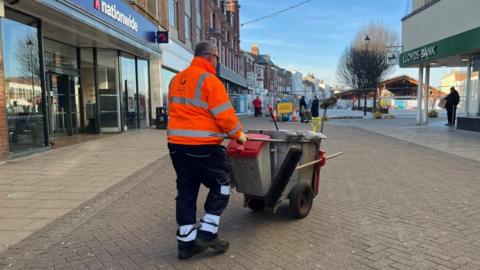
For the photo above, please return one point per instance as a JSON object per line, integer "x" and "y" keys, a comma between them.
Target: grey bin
{"x": 253, "y": 176}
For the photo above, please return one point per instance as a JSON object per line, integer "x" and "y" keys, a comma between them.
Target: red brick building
{"x": 222, "y": 27}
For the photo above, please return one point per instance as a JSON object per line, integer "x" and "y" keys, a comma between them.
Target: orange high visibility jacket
{"x": 199, "y": 110}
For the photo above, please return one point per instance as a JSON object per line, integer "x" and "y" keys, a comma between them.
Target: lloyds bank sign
{"x": 417, "y": 55}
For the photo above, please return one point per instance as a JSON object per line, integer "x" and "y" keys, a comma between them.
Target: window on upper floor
{"x": 188, "y": 26}
{"x": 173, "y": 13}
{"x": 149, "y": 6}
{"x": 198, "y": 22}
{"x": 212, "y": 21}
{"x": 152, "y": 8}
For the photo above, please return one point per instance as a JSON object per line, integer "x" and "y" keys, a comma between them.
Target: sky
{"x": 311, "y": 38}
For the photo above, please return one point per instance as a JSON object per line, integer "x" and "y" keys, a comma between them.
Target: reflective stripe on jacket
{"x": 199, "y": 109}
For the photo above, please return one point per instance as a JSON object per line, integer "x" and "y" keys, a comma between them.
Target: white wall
{"x": 175, "y": 56}
{"x": 444, "y": 19}
{"x": 297, "y": 83}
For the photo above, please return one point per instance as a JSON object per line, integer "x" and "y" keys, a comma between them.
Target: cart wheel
{"x": 256, "y": 205}
{"x": 301, "y": 199}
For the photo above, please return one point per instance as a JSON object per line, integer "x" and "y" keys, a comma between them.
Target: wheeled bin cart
{"x": 275, "y": 166}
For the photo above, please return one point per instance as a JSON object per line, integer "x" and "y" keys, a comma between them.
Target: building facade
{"x": 455, "y": 44}
{"x": 184, "y": 20}
{"x": 222, "y": 27}
{"x": 297, "y": 84}
{"x": 72, "y": 67}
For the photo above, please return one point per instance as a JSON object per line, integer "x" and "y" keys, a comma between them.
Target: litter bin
{"x": 162, "y": 118}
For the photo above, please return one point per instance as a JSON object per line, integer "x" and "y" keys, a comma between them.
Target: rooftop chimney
{"x": 254, "y": 50}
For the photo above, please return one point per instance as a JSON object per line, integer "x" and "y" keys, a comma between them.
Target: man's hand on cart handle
{"x": 243, "y": 138}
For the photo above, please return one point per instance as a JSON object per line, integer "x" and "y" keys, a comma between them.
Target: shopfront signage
{"x": 120, "y": 16}
{"x": 420, "y": 54}
{"x": 112, "y": 11}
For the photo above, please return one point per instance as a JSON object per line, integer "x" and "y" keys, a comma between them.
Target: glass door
{"x": 128, "y": 81}
{"x": 143, "y": 92}
{"x": 63, "y": 99}
{"x": 107, "y": 85}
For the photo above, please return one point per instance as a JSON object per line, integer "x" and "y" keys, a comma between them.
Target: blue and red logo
{"x": 97, "y": 4}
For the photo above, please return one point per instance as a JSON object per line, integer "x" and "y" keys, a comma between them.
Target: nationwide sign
{"x": 119, "y": 16}
{"x": 111, "y": 10}
{"x": 419, "y": 54}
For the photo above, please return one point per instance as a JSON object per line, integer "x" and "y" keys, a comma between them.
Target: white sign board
{"x": 393, "y": 58}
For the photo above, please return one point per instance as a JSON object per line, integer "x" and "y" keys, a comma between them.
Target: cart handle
{"x": 317, "y": 161}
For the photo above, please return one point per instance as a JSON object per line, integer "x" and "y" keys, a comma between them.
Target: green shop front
{"x": 73, "y": 67}
{"x": 460, "y": 50}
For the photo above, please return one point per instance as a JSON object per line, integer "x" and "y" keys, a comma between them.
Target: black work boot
{"x": 188, "y": 251}
{"x": 215, "y": 243}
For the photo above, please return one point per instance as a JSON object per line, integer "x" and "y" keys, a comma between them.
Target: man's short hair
{"x": 452, "y": 88}
{"x": 204, "y": 48}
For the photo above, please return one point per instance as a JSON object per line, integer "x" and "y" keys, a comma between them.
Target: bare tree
{"x": 363, "y": 64}
{"x": 27, "y": 55}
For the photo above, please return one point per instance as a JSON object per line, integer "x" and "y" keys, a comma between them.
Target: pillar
{"x": 3, "y": 111}
{"x": 419, "y": 95}
{"x": 156, "y": 90}
{"x": 427, "y": 93}
{"x": 478, "y": 94}
{"x": 468, "y": 87}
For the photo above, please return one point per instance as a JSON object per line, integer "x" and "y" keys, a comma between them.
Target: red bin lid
{"x": 250, "y": 149}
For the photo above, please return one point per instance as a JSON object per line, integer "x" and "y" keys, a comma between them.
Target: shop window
{"x": 167, "y": 76}
{"x": 107, "y": 78}
{"x": 129, "y": 101}
{"x": 59, "y": 55}
{"x": 24, "y": 100}
{"x": 90, "y": 117}
{"x": 143, "y": 93}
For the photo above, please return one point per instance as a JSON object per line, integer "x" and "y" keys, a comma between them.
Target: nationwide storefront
{"x": 445, "y": 33}
{"x": 73, "y": 67}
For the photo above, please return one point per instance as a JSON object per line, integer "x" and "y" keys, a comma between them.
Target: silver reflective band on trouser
{"x": 234, "y": 130}
{"x": 193, "y": 133}
{"x": 209, "y": 223}
{"x": 219, "y": 109}
{"x": 225, "y": 190}
{"x": 187, "y": 233}
{"x": 189, "y": 101}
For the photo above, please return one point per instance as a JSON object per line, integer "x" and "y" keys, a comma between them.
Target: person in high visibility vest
{"x": 200, "y": 116}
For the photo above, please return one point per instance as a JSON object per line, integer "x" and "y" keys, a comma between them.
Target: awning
{"x": 231, "y": 76}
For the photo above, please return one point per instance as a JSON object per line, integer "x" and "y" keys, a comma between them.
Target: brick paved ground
{"x": 433, "y": 135}
{"x": 385, "y": 204}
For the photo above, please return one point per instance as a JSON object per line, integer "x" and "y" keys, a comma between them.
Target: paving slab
{"x": 38, "y": 189}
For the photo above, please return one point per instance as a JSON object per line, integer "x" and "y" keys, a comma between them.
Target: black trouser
{"x": 451, "y": 114}
{"x": 196, "y": 165}
{"x": 257, "y": 112}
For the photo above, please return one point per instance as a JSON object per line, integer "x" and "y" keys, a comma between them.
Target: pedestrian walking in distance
{"x": 451, "y": 106}
{"x": 303, "y": 110}
{"x": 200, "y": 115}
{"x": 314, "y": 108}
{"x": 257, "y": 105}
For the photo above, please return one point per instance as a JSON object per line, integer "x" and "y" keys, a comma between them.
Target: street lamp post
{"x": 30, "y": 58}
{"x": 367, "y": 42}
